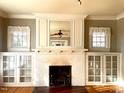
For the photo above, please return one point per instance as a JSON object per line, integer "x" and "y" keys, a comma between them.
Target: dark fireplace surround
{"x": 59, "y": 76}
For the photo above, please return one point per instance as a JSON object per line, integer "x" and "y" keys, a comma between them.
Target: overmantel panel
{"x": 42, "y": 29}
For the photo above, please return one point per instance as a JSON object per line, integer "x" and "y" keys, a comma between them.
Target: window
{"x": 18, "y": 38}
{"x": 100, "y": 38}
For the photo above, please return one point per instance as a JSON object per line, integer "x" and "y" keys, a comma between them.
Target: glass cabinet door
{"x": 94, "y": 68}
{"x": 9, "y": 65}
{"x": 111, "y": 68}
{"x": 25, "y": 68}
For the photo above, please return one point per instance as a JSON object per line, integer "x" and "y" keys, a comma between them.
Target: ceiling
{"x": 89, "y": 7}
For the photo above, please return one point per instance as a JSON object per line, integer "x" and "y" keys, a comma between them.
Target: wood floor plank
{"x": 16, "y": 90}
{"x": 81, "y": 89}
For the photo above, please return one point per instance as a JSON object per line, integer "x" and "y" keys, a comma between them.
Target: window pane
{"x": 19, "y": 36}
{"x": 98, "y": 39}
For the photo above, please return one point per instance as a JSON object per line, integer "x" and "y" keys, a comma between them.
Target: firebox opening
{"x": 60, "y": 76}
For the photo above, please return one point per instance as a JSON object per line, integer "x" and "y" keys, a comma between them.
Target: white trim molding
{"x": 101, "y": 18}
{"x": 57, "y": 16}
{"x": 21, "y": 16}
{"x": 120, "y": 16}
{"x": 52, "y": 16}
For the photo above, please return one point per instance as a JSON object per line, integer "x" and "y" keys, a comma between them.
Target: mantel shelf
{"x": 60, "y": 50}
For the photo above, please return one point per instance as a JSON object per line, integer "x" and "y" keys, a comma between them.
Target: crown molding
{"x": 80, "y": 16}
{"x": 60, "y": 16}
{"x": 21, "y": 16}
{"x": 120, "y": 16}
{"x": 101, "y": 18}
{"x": 40, "y": 15}
{"x": 3, "y": 14}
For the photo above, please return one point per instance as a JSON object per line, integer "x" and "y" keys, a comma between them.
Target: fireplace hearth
{"x": 60, "y": 76}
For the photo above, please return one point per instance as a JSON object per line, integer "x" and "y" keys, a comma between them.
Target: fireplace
{"x": 60, "y": 76}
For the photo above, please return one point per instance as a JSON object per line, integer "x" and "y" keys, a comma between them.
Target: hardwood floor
{"x": 105, "y": 89}
{"x": 16, "y": 90}
{"x": 61, "y": 90}
{"x": 81, "y": 89}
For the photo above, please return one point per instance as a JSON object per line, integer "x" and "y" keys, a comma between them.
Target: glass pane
{"x": 29, "y": 64}
{"x": 114, "y": 72}
{"x": 97, "y": 79}
{"x": 97, "y": 71}
{"x": 114, "y": 79}
{"x": 91, "y": 58}
{"x": 28, "y": 73}
{"x": 108, "y": 79}
{"x": 22, "y": 62}
{"x": 91, "y": 72}
{"x": 108, "y": 58}
{"x": 22, "y": 72}
{"x": 5, "y": 73}
{"x": 11, "y": 79}
{"x": 114, "y": 58}
{"x": 90, "y": 78}
{"x": 19, "y": 38}
{"x": 4, "y": 58}
{"x": 5, "y": 66}
{"x": 114, "y": 64}
{"x": 22, "y": 79}
{"x": 108, "y": 64}
{"x": 97, "y": 65}
{"x": 11, "y": 59}
{"x": 97, "y": 58}
{"x": 11, "y": 73}
{"x": 91, "y": 65}
{"x": 5, "y": 79}
{"x": 108, "y": 72}
{"x": 98, "y": 39}
{"x": 11, "y": 65}
{"x": 28, "y": 79}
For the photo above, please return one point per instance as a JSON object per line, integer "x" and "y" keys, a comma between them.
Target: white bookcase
{"x": 16, "y": 69}
{"x": 102, "y": 68}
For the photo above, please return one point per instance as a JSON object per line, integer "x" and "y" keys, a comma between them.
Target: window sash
{"x": 99, "y": 37}
{"x": 18, "y": 37}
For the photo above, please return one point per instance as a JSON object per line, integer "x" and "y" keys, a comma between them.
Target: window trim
{"x": 9, "y": 42}
{"x": 107, "y": 43}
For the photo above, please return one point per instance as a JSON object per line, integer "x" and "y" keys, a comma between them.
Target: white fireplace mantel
{"x": 60, "y": 50}
{"x": 42, "y": 29}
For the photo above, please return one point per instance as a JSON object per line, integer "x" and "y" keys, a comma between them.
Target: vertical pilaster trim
{"x": 37, "y": 33}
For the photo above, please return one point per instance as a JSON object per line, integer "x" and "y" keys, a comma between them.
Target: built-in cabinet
{"x": 16, "y": 69}
{"x": 103, "y": 68}
{"x": 94, "y": 68}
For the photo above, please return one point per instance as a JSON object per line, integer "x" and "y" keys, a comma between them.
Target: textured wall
{"x": 20, "y": 22}
{"x": 102, "y": 23}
